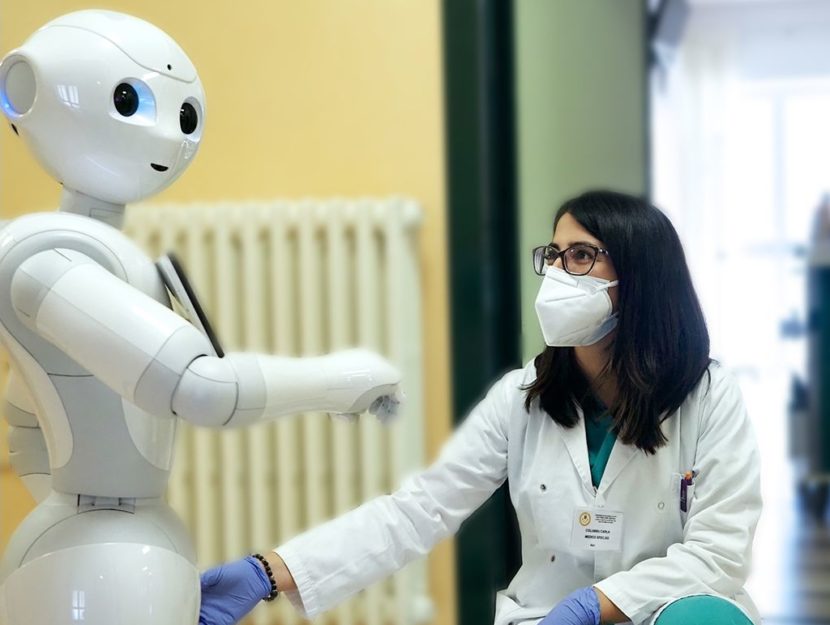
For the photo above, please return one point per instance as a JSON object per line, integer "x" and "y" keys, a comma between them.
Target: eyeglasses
{"x": 577, "y": 260}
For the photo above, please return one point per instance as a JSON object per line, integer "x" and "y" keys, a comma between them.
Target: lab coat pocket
{"x": 675, "y": 517}
{"x": 685, "y": 497}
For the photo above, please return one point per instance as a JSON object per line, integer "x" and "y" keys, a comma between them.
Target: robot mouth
{"x": 159, "y": 167}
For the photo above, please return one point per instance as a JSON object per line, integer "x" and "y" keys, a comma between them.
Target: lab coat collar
{"x": 621, "y": 455}
{"x": 576, "y": 443}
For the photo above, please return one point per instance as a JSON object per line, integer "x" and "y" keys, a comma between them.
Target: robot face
{"x": 109, "y": 104}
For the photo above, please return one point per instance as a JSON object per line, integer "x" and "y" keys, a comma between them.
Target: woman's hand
{"x": 231, "y": 590}
{"x": 581, "y": 607}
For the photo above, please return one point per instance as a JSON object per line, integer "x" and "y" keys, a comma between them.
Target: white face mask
{"x": 574, "y": 310}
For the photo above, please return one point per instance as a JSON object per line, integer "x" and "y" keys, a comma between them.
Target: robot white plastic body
{"x": 102, "y": 368}
{"x": 107, "y": 456}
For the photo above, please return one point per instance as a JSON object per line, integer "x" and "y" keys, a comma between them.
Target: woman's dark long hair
{"x": 661, "y": 349}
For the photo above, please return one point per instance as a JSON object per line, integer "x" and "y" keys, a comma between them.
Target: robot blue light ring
{"x": 12, "y": 68}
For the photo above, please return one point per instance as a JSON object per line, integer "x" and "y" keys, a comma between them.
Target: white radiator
{"x": 299, "y": 278}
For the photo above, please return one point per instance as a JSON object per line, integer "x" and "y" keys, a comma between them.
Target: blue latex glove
{"x": 581, "y": 607}
{"x": 230, "y": 591}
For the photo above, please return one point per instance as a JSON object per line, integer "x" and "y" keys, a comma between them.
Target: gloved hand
{"x": 360, "y": 381}
{"x": 231, "y": 590}
{"x": 581, "y": 607}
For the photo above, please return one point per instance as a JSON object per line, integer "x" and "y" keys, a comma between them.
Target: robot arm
{"x": 27, "y": 447}
{"x": 157, "y": 360}
{"x": 265, "y": 387}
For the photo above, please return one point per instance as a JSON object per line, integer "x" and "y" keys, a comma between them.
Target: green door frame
{"x": 483, "y": 235}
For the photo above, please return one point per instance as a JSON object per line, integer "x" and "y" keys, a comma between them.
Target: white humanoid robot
{"x": 102, "y": 368}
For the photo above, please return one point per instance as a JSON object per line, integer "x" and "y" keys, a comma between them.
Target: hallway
{"x": 791, "y": 578}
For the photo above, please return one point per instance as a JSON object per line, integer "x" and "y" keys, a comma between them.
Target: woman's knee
{"x": 702, "y": 610}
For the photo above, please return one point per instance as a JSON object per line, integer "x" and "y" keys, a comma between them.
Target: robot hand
{"x": 385, "y": 408}
{"x": 364, "y": 381}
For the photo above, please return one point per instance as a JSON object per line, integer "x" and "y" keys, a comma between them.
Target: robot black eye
{"x": 188, "y": 118}
{"x": 125, "y": 99}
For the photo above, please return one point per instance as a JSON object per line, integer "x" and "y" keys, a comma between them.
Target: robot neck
{"x": 80, "y": 204}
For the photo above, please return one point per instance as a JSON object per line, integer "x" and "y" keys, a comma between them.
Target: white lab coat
{"x": 666, "y": 554}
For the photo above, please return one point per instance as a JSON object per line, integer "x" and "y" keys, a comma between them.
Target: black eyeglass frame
{"x": 546, "y": 255}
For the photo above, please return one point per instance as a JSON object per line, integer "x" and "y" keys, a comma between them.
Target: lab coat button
{"x": 543, "y": 488}
{"x": 553, "y": 558}
{"x": 661, "y": 505}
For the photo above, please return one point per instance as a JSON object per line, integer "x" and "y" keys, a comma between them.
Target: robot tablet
{"x": 182, "y": 292}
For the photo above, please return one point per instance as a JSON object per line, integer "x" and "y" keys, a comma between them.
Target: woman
{"x": 632, "y": 465}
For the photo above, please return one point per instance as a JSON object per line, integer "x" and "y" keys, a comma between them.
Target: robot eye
{"x": 125, "y": 99}
{"x": 188, "y": 118}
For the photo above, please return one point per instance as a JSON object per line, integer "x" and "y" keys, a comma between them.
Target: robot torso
{"x": 99, "y": 444}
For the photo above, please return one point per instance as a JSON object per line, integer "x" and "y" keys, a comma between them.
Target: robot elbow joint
{"x": 207, "y": 392}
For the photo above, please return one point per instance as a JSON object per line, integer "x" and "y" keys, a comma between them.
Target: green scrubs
{"x": 601, "y": 439}
{"x": 702, "y": 611}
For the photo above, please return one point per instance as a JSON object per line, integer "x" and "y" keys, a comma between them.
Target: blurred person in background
{"x": 632, "y": 464}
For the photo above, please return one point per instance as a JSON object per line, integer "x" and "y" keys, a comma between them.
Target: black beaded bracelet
{"x": 270, "y": 574}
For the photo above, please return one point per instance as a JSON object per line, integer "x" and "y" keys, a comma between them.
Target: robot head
{"x": 109, "y": 104}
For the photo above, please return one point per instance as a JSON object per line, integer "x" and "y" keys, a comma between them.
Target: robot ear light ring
{"x": 102, "y": 368}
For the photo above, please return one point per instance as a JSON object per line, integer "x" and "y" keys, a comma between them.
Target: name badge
{"x": 597, "y": 530}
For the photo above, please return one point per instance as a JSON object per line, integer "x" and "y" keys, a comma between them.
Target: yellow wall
{"x": 304, "y": 97}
